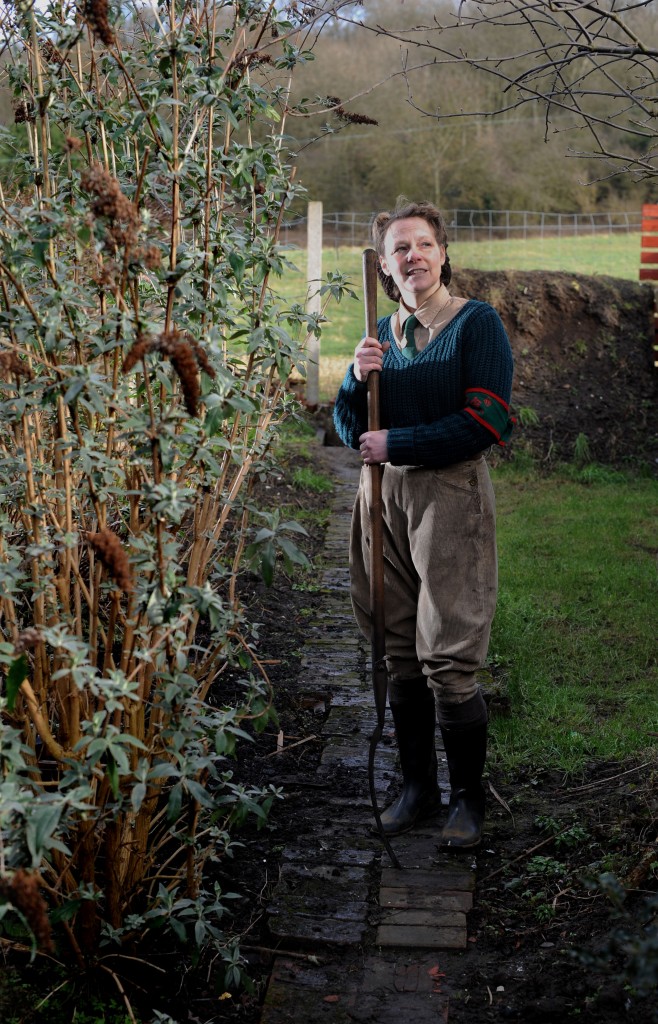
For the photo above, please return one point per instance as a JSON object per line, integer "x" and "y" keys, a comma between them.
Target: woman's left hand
{"x": 373, "y": 447}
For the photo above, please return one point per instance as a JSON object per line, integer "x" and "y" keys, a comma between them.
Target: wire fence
{"x": 353, "y": 228}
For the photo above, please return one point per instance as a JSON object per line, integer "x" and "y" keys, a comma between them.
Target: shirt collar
{"x": 427, "y": 312}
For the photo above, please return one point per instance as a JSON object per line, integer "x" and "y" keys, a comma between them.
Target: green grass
{"x": 306, "y": 479}
{"x": 614, "y": 255}
{"x": 574, "y": 632}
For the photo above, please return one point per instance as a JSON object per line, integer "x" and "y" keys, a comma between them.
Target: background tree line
{"x": 551, "y": 81}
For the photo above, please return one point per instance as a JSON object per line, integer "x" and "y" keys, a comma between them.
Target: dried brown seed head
{"x": 27, "y": 638}
{"x": 345, "y": 115}
{"x": 23, "y": 112}
{"x": 51, "y": 53}
{"x": 186, "y": 356}
{"x": 106, "y": 277}
{"x": 201, "y": 357}
{"x": 111, "y": 205}
{"x": 110, "y": 550}
{"x": 22, "y": 890}
{"x": 10, "y": 362}
{"x": 95, "y": 14}
{"x": 181, "y": 354}
{"x": 151, "y": 257}
{"x": 143, "y": 344}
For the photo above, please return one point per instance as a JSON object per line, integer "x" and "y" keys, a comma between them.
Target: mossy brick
{"x": 297, "y": 994}
{"x": 348, "y": 720}
{"x": 329, "y": 931}
{"x": 351, "y": 754}
{"x": 336, "y": 579}
{"x": 332, "y": 646}
{"x": 322, "y": 672}
{"x": 311, "y": 887}
{"x": 412, "y": 899}
{"x": 421, "y": 937}
{"x": 425, "y": 918}
{"x": 329, "y": 657}
{"x": 403, "y": 973}
{"x": 428, "y": 881}
{"x": 354, "y": 697}
{"x": 336, "y": 852}
{"x": 362, "y": 803}
{"x": 317, "y": 908}
{"x": 337, "y": 874}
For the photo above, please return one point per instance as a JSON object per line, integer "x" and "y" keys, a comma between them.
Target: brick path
{"x": 371, "y": 934}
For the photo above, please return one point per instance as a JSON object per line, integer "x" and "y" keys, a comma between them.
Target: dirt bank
{"x": 583, "y": 362}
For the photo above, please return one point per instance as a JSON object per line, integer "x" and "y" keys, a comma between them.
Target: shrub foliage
{"x": 143, "y": 363}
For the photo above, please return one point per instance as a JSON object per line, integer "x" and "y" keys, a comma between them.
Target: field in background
{"x": 614, "y": 255}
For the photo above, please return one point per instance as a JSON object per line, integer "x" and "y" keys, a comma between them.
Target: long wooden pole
{"x": 377, "y": 609}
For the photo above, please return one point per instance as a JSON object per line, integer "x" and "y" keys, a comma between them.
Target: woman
{"x": 445, "y": 366}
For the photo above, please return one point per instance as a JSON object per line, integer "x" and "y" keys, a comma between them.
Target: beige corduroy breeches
{"x": 440, "y": 573}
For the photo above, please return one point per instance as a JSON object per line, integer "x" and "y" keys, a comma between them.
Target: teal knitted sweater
{"x": 448, "y": 403}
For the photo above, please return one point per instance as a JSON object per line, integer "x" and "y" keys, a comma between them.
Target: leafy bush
{"x": 630, "y": 953}
{"x": 143, "y": 366}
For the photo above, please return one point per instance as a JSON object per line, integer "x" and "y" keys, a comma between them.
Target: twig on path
{"x": 283, "y": 952}
{"x": 501, "y": 801}
{"x": 611, "y": 778}
{"x": 525, "y": 853}
{"x": 283, "y": 750}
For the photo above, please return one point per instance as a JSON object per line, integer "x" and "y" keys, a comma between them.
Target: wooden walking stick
{"x": 377, "y": 613}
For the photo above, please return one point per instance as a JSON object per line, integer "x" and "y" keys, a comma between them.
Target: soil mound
{"x": 584, "y": 381}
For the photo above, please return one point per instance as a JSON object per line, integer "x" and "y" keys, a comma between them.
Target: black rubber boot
{"x": 466, "y": 750}
{"x": 414, "y": 720}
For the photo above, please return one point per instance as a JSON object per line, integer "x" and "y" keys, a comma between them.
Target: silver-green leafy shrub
{"x": 143, "y": 364}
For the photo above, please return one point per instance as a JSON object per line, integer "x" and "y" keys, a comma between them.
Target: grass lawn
{"x": 574, "y": 633}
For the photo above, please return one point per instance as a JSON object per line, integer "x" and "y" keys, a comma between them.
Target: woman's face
{"x": 413, "y": 258}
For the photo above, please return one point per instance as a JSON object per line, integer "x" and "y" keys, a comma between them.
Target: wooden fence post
{"x": 313, "y": 301}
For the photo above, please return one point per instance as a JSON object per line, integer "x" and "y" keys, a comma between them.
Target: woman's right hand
{"x": 368, "y": 356}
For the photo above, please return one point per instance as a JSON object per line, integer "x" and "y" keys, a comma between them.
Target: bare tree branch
{"x": 591, "y": 66}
